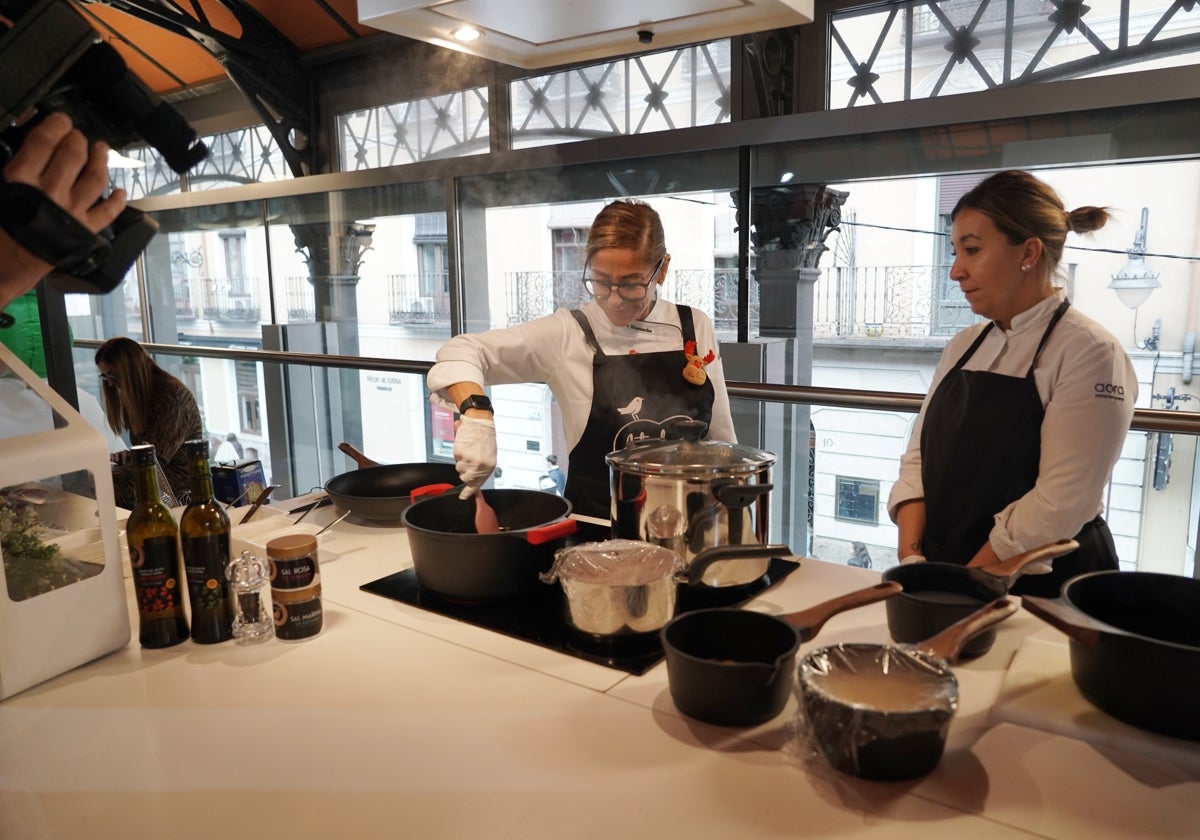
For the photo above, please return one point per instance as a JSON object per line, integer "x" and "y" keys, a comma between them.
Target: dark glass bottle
{"x": 153, "y": 539}
{"x": 204, "y": 536}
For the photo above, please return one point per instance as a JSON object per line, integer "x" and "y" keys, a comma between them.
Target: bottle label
{"x": 155, "y": 565}
{"x": 294, "y": 572}
{"x": 298, "y": 614}
{"x": 204, "y": 560}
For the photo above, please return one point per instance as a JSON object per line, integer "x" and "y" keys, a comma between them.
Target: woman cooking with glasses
{"x": 624, "y": 367}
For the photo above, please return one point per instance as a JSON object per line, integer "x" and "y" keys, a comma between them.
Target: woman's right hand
{"x": 474, "y": 452}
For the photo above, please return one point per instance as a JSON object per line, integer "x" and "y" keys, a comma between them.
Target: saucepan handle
{"x": 1061, "y": 615}
{"x": 735, "y": 495}
{"x": 429, "y": 490}
{"x": 810, "y": 621}
{"x": 949, "y": 643}
{"x": 553, "y": 531}
{"x": 700, "y": 563}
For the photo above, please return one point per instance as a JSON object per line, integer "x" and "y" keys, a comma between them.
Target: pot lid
{"x": 691, "y": 456}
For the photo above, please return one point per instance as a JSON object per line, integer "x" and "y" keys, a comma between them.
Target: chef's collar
{"x": 1037, "y": 314}
{"x": 644, "y": 319}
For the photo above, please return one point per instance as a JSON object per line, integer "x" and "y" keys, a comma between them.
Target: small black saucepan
{"x": 1135, "y": 645}
{"x": 733, "y": 667}
{"x": 453, "y": 561}
{"x": 938, "y": 594}
{"x": 882, "y": 712}
{"x": 381, "y": 492}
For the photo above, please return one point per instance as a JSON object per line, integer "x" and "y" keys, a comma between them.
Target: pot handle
{"x": 809, "y": 622}
{"x": 1009, "y": 568}
{"x": 949, "y": 643}
{"x": 429, "y": 490}
{"x": 735, "y": 495}
{"x": 700, "y": 563}
{"x": 362, "y": 460}
{"x": 553, "y": 531}
{"x": 1059, "y": 614}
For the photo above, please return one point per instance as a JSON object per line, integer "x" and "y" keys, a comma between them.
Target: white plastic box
{"x": 54, "y": 471}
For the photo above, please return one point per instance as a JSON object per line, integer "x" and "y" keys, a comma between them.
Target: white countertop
{"x": 398, "y": 722}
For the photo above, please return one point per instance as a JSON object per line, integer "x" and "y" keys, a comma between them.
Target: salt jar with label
{"x": 295, "y": 586}
{"x": 248, "y": 576}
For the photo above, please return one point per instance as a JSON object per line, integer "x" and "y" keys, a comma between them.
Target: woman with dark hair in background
{"x": 624, "y": 367}
{"x": 152, "y": 406}
{"x": 1027, "y": 411}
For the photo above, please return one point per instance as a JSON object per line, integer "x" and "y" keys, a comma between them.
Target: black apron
{"x": 980, "y": 450}
{"x": 636, "y": 398}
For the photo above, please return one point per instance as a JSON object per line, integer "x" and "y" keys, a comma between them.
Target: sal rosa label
{"x": 154, "y": 566}
{"x": 294, "y": 572}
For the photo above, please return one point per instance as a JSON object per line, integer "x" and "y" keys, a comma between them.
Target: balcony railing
{"x": 232, "y": 299}
{"x": 301, "y": 300}
{"x": 411, "y": 304}
{"x": 184, "y": 308}
{"x": 906, "y": 301}
{"x": 889, "y": 301}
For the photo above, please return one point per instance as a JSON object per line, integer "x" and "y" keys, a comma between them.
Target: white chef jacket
{"x": 553, "y": 350}
{"x": 1088, "y": 389}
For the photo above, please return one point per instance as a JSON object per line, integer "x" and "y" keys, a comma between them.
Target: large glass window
{"x": 649, "y": 92}
{"x": 925, "y": 48}
{"x": 247, "y": 155}
{"x": 448, "y": 125}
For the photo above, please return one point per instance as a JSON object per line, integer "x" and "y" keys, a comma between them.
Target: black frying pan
{"x": 380, "y": 492}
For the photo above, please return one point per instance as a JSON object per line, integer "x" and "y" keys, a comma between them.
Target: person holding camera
{"x": 57, "y": 159}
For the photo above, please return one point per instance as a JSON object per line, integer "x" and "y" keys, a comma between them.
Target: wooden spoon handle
{"x": 361, "y": 459}
{"x": 808, "y": 622}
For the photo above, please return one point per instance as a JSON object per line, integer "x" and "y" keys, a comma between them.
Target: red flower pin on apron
{"x": 693, "y": 371}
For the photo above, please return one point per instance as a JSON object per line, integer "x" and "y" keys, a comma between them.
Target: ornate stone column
{"x": 790, "y": 225}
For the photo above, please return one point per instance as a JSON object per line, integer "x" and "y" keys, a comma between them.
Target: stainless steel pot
{"x": 691, "y": 495}
{"x": 617, "y": 588}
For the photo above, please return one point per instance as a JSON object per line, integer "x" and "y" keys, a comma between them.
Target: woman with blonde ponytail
{"x": 1027, "y": 411}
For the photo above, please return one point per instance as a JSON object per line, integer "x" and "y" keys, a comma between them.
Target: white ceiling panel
{"x": 543, "y": 33}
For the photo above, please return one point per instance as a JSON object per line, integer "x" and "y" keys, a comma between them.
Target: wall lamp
{"x": 1134, "y": 282}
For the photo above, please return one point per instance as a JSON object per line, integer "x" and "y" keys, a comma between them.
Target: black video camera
{"x": 51, "y": 59}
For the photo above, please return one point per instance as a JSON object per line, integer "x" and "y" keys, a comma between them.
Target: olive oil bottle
{"x": 204, "y": 536}
{"x": 153, "y": 539}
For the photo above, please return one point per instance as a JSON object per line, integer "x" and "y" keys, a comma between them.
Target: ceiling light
{"x": 786, "y": 177}
{"x": 466, "y": 34}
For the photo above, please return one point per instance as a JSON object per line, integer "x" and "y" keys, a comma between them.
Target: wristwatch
{"x": 476, "y": 401}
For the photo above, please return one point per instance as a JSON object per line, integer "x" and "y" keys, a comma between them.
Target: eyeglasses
{"x": 602, "y": 289}
{"x": 110, "y": 377}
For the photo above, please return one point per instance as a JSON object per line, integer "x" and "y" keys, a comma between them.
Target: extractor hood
{"x": 544, "y": 33}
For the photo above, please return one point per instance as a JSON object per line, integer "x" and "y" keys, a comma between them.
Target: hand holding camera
{"x": 56, "y": 160}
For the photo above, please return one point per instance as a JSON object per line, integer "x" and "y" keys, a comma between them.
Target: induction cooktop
{"x": 539, "y": 617}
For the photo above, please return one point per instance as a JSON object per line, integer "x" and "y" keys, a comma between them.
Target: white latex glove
{"x": 474, "y": 452}
{"x": 913, "y": 558}
{"x": 1041, "y": 567}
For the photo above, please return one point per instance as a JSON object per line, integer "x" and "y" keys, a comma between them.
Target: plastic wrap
{"x": 874, "y": 711}
{"x": 617, "y": 586}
